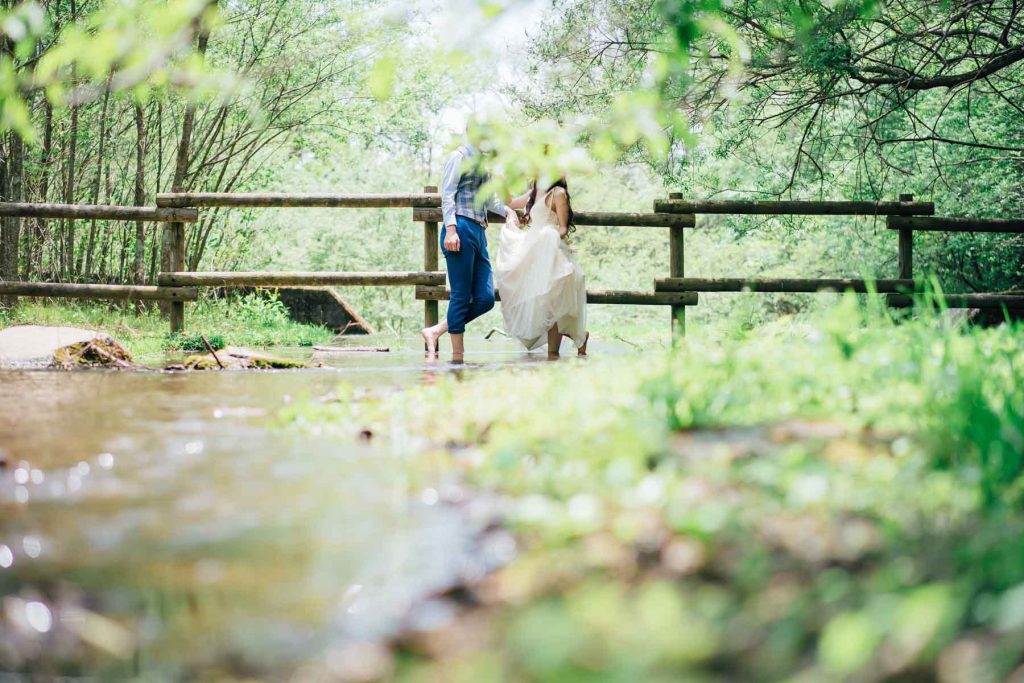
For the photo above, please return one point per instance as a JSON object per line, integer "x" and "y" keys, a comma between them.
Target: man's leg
{"x": 432, "y": 335}
{"x": 483, "y": 281}
{"x": 482, "y": 289}
{"x": 460, "y": 275}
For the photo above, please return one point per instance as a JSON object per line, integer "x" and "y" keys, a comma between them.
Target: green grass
{"x": 834, "y": 499}
{"x": 256, "y": 320}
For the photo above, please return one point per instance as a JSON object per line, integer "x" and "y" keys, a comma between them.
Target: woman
{"x": 543, "y": 292}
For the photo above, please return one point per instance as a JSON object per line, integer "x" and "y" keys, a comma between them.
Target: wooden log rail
{"x": 594, "y": 296}
{"x": 299, "y": 279}
{"x": 64, "y": 290}
{"x": 794, "y": 208}
{"x": 1013, "y": 302}
{"x": 592, "y": 218}
{"x": 945, "y": 224}
{"x": 904, "y": 216}
{"x": 788, "y": 285}
{"x": 99, "y": 212}
{"x": 205, "y": 200}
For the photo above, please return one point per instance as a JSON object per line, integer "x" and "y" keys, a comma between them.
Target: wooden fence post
{"x": 676, "y": 269}
{"x": 176, "y": 244}
{"x": 906, "y": 257}
{"x": 430, "y": 262}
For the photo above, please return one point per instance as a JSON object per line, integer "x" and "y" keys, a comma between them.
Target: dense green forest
{"x": 855, "y": 100}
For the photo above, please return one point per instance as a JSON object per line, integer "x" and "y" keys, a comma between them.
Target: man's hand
{"x": 512, "y": 217}
{"x": 451, "y": 239}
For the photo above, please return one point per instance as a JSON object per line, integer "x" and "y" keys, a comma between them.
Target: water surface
{"x": 157, "y": 524}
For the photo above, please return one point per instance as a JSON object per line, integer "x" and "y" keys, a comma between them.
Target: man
{"x": 464, "y": 244}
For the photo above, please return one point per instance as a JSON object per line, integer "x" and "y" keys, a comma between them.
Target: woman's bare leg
{"x": 582, "y": 350}
{"x": 554, "y": 341}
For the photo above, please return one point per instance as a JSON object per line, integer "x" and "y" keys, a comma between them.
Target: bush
{"x": 194, "y": 342}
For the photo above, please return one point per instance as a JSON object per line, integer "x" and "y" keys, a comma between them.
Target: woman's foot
{"x": 582, "y": 350}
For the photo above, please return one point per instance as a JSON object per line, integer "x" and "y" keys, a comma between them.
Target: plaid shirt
{"x": 459, "y": 187}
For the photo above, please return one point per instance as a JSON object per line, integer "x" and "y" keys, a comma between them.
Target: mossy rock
{"x": 102, "y": 351}
{"x": 235, "y": 358}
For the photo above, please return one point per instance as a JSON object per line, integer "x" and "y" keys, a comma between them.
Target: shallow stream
{"x": 158, "y": 524}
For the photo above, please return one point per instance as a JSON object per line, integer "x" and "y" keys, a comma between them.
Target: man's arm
{"x": 497, "y": 206}
{"x": 449, "y": 185}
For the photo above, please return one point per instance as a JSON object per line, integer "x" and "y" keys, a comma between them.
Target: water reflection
{"x": 157, "y": 510}
{"x": 151, "y": 525}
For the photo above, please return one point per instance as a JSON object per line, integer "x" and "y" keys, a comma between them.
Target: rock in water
{"x": 102, "y": 351}
{"x": 236, "y": 358}
{"x": 42, "y": 346}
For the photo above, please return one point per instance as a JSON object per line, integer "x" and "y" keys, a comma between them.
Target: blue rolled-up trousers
{"x": 469, "y": 275}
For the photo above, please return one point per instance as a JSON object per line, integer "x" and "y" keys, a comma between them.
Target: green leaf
{"x": 847, "y": 643}
{"x": 382, "y": 77}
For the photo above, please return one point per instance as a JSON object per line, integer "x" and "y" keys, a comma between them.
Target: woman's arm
{"x": 560, "y": 205}
{"x": 518, "y": 203}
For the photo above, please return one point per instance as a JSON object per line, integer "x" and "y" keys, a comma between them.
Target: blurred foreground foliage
{"x": 832, "y": 500}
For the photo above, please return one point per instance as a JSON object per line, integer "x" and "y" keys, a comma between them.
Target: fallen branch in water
{"x": 212, "y": 352}
{"x": 352, "y": 349}
{"x": 626, "y": 341}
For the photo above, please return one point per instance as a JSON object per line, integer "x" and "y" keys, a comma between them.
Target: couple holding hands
{"x": 543, "y": 292}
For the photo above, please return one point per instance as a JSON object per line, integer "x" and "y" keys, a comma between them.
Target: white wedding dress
{"x": 539, "y": 281}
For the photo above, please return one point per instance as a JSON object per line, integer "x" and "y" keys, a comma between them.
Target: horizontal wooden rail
{"x": 286, "y": 200}
{"x": 594, "y": 296}
{"x": 64, "y": 290}
{"x": 794, "y": 208}
{"x": 946, "y": 224}
{"x": 99, "y": 212}
{"x": 299, "y": 279}
{"x": 727, "y": 284}
{"x": 597, "y": 218}
{"x": 1010, "y": 301}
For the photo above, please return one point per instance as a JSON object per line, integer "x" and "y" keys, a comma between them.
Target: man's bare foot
{"x": 430, "y": 337}
{"x": 582, "y": 351}
{"x": 458, "y": 358}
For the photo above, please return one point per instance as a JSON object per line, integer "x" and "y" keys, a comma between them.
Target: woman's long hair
{"x": 532, "y": 199}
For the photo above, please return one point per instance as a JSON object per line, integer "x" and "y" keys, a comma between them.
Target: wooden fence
{"x": 178, "y": 286}
{"x": 903, "y": 217}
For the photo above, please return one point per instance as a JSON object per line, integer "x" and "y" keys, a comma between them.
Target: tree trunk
{"x": 10, "y": 190}
{"x": 106, "y": 238}
{"x": 140, "y": 194}
{"x": 69, "y": 190}
{"x": 99, "y": 176}
{"x": 173, "y": 232}
{"x": 69, "y": 182}
{"x": 11, "y": 231}
{"x": 46, "y": 162}
{"x": 5, "y": 189}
